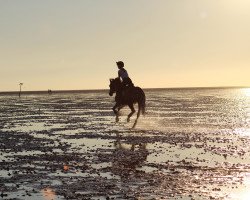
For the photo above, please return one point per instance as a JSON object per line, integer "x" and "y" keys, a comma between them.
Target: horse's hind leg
{"x": 138, "y": 115}
{"x": 131, "y": 106}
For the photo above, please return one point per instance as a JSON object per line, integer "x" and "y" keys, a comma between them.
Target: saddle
{"x": 127, "y": 89}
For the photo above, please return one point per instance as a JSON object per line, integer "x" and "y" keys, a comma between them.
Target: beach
{"x": 192, "y": 143}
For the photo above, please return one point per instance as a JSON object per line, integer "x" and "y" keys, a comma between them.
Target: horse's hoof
{"x": 128, "y": 120}
{"x": 117, "y": 119}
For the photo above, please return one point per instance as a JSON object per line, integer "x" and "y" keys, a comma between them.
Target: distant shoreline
{"x": 105, "y": 90}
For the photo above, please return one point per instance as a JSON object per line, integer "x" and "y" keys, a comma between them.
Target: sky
{"x": 67, "y": 45}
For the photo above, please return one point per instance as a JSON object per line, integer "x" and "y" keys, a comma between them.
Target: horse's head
{"x": 114, "y": 86}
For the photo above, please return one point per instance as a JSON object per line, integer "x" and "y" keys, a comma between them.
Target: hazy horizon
{"x": 107, "y": 89}
{"x": 73, "y": 45}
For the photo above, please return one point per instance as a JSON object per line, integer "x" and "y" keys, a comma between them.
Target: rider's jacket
{"x": 123, "y": 73}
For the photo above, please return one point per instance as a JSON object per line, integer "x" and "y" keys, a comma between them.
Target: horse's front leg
{"x": 131, "y": 106}
{"x": 114, "y": 108}
{"x": 116, "y": 112}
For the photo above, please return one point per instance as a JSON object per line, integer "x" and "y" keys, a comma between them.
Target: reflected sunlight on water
{"x": 246, "y": 91}
{"x": 65, "y": 167}
{"x": 243, "y": 192}
{"x": 48, "y": 194}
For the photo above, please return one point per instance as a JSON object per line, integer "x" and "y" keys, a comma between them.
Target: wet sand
{"x": 70, "y": 147}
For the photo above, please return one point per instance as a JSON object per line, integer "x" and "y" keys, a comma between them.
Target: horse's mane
{"x": 115, "y": 80}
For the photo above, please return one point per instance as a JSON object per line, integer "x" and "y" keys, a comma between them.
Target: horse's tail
{"x": 143, "y": 102}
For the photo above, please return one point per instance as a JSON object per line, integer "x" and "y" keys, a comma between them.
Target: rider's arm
{"x": 119, "y": 75}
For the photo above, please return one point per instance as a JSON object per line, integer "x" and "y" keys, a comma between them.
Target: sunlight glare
{"x": 246, "y": 91}
{"x": 48, "y": 194}
{"x": 243, "y": 193}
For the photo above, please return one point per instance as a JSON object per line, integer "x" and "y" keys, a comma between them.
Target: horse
{"x": 128, "y": 95}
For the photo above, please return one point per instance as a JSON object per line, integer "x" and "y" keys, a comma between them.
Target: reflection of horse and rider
{"x": 126, "y": 93}
{"x": 127, "y": 157}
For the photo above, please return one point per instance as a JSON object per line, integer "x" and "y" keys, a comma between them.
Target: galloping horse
{"x": 128, "y": 97}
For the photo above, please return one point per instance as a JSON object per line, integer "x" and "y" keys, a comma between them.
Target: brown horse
{"x": 127, "y": 96}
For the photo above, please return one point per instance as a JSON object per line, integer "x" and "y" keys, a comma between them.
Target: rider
{"x": 123, "y": 75}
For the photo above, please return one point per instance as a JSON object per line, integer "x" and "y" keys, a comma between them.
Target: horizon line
{"x": 90, "y": 90}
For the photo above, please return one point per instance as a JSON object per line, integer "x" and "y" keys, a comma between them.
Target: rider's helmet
{"x": 120, "y": 64}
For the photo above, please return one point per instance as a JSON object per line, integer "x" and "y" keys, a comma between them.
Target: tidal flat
{"x": 191, "y": 144}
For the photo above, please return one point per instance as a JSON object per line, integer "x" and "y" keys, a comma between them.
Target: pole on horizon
{"x": 20, "y": 85}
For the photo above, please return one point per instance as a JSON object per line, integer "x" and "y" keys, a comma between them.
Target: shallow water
{"x": 191, "y": 144}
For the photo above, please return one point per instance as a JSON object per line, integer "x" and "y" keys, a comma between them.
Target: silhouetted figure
{"x": 123, "y": 75}
{"x": 49, "y": 91}
{"x": 132, "y": 96}
{"x": 20, "y": 90}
